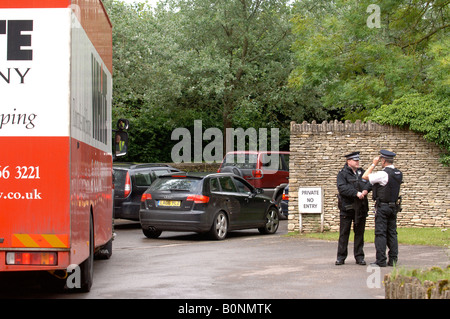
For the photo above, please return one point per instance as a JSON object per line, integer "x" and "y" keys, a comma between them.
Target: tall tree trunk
{"x": 228, "y": 106}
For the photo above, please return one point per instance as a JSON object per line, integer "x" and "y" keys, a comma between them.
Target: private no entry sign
{"x": 310, "y": 201}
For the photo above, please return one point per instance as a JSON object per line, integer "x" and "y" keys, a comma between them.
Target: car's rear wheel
{"x": 272, "y": 222}
{"x": 219, "y": 228}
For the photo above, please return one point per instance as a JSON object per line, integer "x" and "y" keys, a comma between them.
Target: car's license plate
{"x": 169, "y": 203}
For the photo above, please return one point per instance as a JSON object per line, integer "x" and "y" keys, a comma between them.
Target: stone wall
{"x": 317, "y": 152}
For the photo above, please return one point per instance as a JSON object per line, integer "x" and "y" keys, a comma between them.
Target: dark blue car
{"x": 131, "y": 180}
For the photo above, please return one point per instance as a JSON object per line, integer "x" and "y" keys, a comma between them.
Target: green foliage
{"x": 265, "y": 63}
{"x": 237, "y": 62}
{"x": 398, "y": 74}
{"x": 226, "y": 63}
{"x": 423, "y": 113}
{"x": 356, "y": 69}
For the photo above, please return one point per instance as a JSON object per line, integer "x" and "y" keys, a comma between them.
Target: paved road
{"x": 245, "y": 265}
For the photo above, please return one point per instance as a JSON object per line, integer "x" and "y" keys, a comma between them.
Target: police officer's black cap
{"x": 354, "y": 156}
{"x": 387, "y": 154}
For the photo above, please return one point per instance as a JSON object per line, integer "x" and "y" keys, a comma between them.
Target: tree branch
{"x": 427, "y": 36}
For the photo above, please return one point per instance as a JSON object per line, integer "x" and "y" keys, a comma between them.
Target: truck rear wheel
{"x": 105, "y": 251}
{"x": 87, "y": 267}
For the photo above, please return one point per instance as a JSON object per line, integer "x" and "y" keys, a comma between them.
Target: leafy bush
{"x": 422, "y": 113}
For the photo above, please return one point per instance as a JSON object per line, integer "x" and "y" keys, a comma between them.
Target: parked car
{"x": 130, "y": 182}
{"x": 262, "y": 169}
{"x": 284, "y": 204}
{"x": 214, "y": 204}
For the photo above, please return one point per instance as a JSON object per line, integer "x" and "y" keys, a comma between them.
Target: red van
{"x": 262, "y": 169}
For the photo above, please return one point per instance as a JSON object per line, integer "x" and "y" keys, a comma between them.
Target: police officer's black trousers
{"x": 386, "y": 234}
{"x": 344, "y": 233}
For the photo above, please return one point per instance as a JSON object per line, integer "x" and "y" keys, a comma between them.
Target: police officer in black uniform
{"x": 386, "y": 189}
{"x": 353, "y": 207}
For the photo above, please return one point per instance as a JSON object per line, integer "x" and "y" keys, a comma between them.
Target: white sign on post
{"x": 310, "y": 201}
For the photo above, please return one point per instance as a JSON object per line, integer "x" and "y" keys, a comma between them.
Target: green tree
{"x": 237, "y": 59}
{"x": 146, "y": 80}
{"x": 355, "y": 68}
{"x": 426, "y": 113}
{"x": 395, "y": 71}
{"x": 226, "y": 63}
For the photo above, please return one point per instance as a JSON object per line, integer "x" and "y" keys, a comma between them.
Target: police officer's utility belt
{"x": 394, "y": 205}
{"x": 390, "y": 204}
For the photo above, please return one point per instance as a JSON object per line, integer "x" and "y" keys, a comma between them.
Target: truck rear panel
{"x": 55, "y": 132}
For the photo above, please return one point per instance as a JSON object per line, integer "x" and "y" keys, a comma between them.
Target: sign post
{"x": 310, "y": 201}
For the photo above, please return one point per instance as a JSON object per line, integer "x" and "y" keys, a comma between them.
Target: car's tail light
{"x": 285, "y": 197}
{"x": 198, "y": 199}
{"x": 33, "y": 258}
{"x": 127, "y": 188}
{"x": 257, "y": 173}
{"x": 146, "y": 196}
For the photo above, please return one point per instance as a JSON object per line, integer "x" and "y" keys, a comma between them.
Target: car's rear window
{"x": 242, "y": 161}
{"x": 143, "y": 178}
{"x": 176, "y": 184}
{"x": 119, "y": 179}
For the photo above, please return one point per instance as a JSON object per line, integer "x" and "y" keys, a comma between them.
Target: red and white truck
{"x": 56, "y": 188}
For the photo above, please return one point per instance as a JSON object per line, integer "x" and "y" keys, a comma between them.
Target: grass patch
{"x": 408, "y": 236}
{"x": 432, "y": 274}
